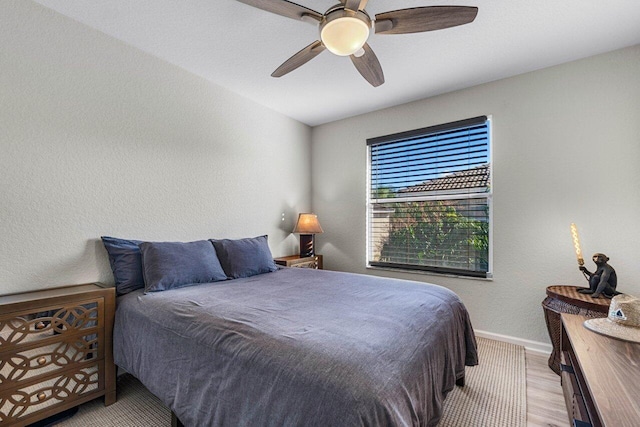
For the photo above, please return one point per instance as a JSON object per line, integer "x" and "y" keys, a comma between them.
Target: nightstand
{"x": 55, "y": 351}
{"x": 296, "y": 261}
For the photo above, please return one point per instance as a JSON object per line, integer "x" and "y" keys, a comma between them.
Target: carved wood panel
{"x": 29, "y": 327}
{"x": 28, "y": 363}
{"x": 25, "y": 401}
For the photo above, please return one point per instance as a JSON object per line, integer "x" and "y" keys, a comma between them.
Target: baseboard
{"x": 534, "y": 346}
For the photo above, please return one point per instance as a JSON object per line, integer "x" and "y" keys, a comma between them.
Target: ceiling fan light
{"x": 345, "y": 35}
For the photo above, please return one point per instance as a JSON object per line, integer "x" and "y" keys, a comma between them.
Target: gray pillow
{"x": 126, "y": 263}
{"x": 170, "y": 265}
{"x": 245, "y": 257}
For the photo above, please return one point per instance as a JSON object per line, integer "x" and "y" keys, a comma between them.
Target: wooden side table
{"x": 55, "y": 351}
{"x": 296, "y": 261}
{"x": 566, "y": 299}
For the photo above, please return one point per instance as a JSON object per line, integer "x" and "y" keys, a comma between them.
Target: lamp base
{"x": 306, "y": 245}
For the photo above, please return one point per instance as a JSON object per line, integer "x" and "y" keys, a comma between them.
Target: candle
{"x": 576, "y": 243}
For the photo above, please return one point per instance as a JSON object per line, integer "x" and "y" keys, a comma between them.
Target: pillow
{"x": 126, "y": 263}
{"x": 170, "y": 265}
{"x": 245, "y": 257}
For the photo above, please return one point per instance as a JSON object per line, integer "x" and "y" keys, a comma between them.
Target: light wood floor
{"x": 545, "y": 402}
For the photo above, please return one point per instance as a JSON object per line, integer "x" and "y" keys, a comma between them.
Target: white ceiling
{"x": 238, "y": 47}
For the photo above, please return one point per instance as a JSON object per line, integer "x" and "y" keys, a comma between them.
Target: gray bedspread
{"x": 298, "y": 347}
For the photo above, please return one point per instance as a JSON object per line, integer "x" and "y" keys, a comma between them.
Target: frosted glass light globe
{"x": 344, "y": 36}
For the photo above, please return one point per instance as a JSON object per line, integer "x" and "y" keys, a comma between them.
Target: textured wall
{"x": 566, "y": 148}
{"x": 98, "y": 138}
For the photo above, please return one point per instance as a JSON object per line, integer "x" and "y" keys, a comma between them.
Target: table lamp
{"x": 307, "y": 226}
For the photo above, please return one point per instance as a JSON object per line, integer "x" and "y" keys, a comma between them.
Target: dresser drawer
{"x": 27, "y": 401}
{"x": 573, "y": 398}
{"x": 48, "y": 323}
{"x": 30, "y": 363}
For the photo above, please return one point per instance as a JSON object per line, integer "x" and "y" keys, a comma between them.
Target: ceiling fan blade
{"x": 299, "y": 59}
{"x": 284, "y": 8}
{"x": 369, "y": 66}
{"x": 420, "y": 19}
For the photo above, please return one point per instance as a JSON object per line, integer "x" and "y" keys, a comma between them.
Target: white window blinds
{"x": 430, "y": 198}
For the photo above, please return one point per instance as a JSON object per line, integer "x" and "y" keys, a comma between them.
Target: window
{"x": 429, "y": 199}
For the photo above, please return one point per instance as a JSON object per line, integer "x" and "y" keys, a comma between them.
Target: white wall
{"x": 566, "y": 148}
{"x": 98, "y": 138}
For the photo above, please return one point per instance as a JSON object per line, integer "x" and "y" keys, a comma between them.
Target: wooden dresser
{"x": 55, "y": 351}
{"x": 296, "y": 261}
{"x": 600, "y": 377}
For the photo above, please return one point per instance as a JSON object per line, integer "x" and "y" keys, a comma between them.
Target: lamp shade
{"x": 308, "y": 224}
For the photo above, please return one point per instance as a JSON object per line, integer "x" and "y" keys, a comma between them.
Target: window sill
{"x": 431, "y": 273}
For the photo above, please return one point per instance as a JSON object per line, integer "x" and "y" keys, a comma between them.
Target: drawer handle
{"x": 40, "y": 325}
{"x": 42, "y": 361}
{"x": 41, "y": 396}
{"x": 566, "y": 368}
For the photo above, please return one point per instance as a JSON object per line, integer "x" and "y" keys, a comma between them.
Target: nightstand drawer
{"x": 308, "y": 264}
{"x": 28, "y": 400}
{"x": 30, "y": 363}
{"x": 296, "y": 261}
{"x": 48, "y": 323}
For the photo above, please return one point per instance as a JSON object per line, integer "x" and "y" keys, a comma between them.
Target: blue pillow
{"x": 170, "y": 265}
{"x": 245, "y": 257}
{"x": 126, "y": 263}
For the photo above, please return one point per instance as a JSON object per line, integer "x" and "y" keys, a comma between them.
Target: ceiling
{"x": 238, "y": 47}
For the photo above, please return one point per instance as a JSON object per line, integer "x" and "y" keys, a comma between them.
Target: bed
{"x": 298, "y": 347}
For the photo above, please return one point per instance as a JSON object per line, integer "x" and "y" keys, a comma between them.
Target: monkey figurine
{"x": 603, "y": 280}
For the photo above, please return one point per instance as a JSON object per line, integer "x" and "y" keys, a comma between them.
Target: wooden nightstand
{"x": 296, "y": 261}
{"x": 55, "y": 351}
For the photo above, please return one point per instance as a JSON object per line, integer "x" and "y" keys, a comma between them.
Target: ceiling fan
{"x": 345, "y": 28}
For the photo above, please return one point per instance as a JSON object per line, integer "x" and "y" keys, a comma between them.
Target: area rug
{"x": 495, "y": 393}
{"x": 494, "y": 396}
{"x": 135, "y": 407}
